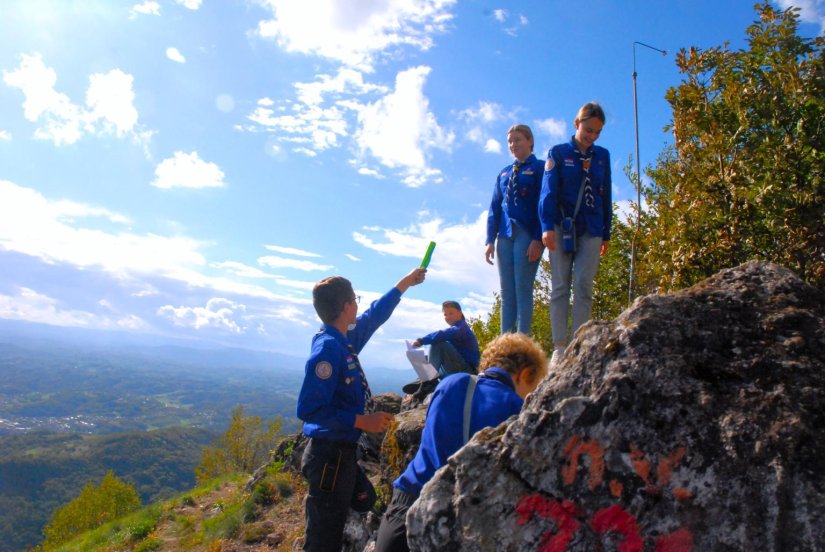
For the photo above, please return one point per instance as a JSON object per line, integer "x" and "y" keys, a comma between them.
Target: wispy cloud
{"x": 187, "y": 170}
{"x": 810, "y": 11}
{"x": 556, "y": 129}
{"x": 175, "y": 55}
{"x": 109, "y": 103}
{"x": 291, "y": 251}
{"x": 5, "y": 136}
{"x": 281, "y": 262}
{"x": 190, "y": 4}
{"x": 354, "y": 34}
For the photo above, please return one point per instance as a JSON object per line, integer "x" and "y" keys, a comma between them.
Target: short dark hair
{"x": 454, "y": 305}
{"x": 329, "y": 297}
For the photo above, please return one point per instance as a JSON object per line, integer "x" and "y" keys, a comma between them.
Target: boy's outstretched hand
{"x": 415, "y": 277}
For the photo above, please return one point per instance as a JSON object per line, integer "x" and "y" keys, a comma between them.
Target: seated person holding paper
{"x": 452, "y": 350}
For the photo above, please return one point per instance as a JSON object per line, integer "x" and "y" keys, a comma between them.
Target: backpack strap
{"x": 468, "y": 405}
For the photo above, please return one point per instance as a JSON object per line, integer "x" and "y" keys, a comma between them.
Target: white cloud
{"x": 281, "y": 262}
{"x": 366, "y": 171}
{"x": 242, "y": 270}
{"x": 399, "y": 130}
{"x": 149, "y": 7}
{"x": 492, "y": 146}
{"x": 5, "y": 136}
{"x": 175, "y": 55}
{"x": 187, "y": 170}
{"x": 556, "y": 129}
{"x": 500, "y": 15}
{"x": 109, "y": 104}
{"x": 354, "y": 33}
{"x": 459, "y": 252}
{"x": 225, "y": 103}
{"x": 110, "y": 100}
{"x": 32, "y": 306}
{"x": 218, "y": 313}
{"x": 523, "y": 20}
{"x": 291, "y": 251}
{"x": 190, "y": 4}
{"x": 36, "y": 226}
{"x": 810, "y": 11}
{"x": 352, "y": 257}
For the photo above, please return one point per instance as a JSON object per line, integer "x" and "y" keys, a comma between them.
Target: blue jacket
{"x": 494, "y": 401}
{"x": 461, "y": 337}
{"x": 333, "y": 391}
{"x": 560, "y": 189}
{"x": 522, "y": 206}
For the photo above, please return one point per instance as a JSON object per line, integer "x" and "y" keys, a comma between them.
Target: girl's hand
{"x": 534, "y": 251}
{"x": 549, "y": 240}
{"x": 489, "y": 253}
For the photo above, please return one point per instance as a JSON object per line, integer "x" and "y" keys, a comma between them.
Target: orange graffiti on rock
{"x": 573, "y": 450}
{"x": 664, "y": 470}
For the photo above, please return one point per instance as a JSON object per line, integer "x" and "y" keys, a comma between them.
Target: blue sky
{"x": 189, "y": 168}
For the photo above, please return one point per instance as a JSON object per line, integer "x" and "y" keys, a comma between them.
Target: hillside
{"x": 40, "y": 472}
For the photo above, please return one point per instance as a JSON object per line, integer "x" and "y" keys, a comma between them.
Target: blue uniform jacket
{"x": 504, "y": 209}
{"x": 333, "y": 391}
{"x": 461, "y": 337}
{"x": 560, "y": 188}
{"x": 493, "y": 402}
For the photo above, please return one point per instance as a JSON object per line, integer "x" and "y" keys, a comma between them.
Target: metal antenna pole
{"x": 638, "y": 178}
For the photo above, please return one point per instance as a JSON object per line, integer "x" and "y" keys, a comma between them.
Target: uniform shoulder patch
{"x": 323, "y": 370}
{"x": 549, "y": 164}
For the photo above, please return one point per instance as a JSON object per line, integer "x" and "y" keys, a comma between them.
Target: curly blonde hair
{"x": 515, "y": 352}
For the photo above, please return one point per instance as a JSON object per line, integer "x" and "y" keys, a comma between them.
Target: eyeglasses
{"x": 357, "y": 299}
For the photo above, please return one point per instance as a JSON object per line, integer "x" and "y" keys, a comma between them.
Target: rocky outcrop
{"x": 691, "y": 422}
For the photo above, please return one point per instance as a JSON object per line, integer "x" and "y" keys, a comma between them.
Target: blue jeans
{"x": 447, "y": 360}
{"x": 517, "y": 275}
{"x": 580, "y": 269}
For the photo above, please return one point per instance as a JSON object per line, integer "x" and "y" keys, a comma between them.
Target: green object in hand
{"x": 428, "y": 255}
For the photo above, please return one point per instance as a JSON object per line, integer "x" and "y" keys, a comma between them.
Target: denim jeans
{"x": 517, "y": 275}
{"x": 580, "y": 269}
{"x": 447, "y": 360}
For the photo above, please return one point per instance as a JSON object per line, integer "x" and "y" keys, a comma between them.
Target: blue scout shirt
{"x": 494, "y": 401}
{"x": 521, "y": 206}
{"x": 461, "y": 337}
{"x": 333, "y": 391}
{"x": 560, "y": 189}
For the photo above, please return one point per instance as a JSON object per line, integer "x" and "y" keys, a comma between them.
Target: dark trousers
{"x": 336, "y": 484}
{"x": 392, "y": 534}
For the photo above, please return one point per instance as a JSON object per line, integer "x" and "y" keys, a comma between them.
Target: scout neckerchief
{"x": 511, "y": 184}
{"x": 368, "y": 406}
{"x": 589, "y": 199}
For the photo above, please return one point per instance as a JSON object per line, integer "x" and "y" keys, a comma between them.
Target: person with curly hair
{"x": 512, "y": 366}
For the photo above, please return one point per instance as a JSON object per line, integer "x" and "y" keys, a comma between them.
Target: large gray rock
{"x": 692, "y": 422}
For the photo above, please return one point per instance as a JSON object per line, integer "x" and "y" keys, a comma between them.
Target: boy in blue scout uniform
{"x": 334, "y": 405}
{"x": 512, "y": 366}
{"x": 452, "y": 350}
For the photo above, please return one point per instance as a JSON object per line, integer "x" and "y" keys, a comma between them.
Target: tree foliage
{"x": 245, "y": 446}
{"x": 744, "y": 178}
{"x": 94, "y": 506}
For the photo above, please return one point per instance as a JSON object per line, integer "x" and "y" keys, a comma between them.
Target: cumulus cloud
{"x": 500, "y": 15}
{"x": 109, "y": 103}
{"x": 149, "y": 7}
{"x": 282, "y": 262}
{"x": 354, "y": 33}
{"x": 5, "y": 136}
{"x": 187, "y": 170}
{"x": 492, "y": 146}
{"x": 479, "y": 123}
{"x": 217, "y": 313}
{"x": 175, "y": 55}
{"x": 400, "y": 131}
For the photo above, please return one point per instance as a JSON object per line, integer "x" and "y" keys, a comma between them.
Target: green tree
{"x": 94, "y": 506}
{"x": 245, "y": 446}
{"x": 744, "y": 178}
